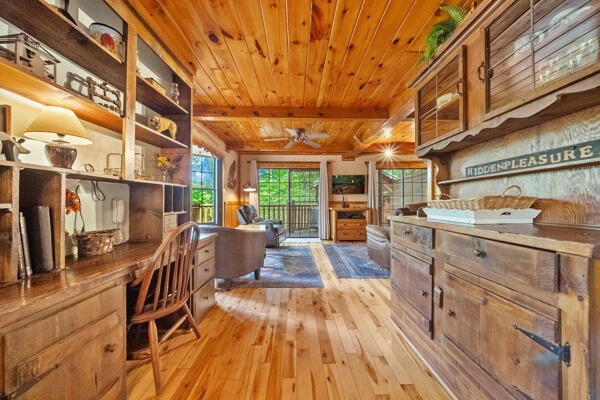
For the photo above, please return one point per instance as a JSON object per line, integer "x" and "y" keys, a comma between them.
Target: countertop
{"x": 565, "y": 239}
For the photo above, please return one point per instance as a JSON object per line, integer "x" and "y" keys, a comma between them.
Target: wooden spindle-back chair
{"x": 164, "y": 289}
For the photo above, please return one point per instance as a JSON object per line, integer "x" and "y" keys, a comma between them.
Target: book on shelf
{"x": 24, "y": 254}
{"x": 39, "y": 233}
{"x": 21, "y": 260}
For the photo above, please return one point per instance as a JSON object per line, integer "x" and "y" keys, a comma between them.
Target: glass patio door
{"x": 291, "y": 195}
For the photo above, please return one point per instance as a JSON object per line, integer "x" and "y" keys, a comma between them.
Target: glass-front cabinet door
{"x": 441, "y": 102}
{"x": 537, "y": 46}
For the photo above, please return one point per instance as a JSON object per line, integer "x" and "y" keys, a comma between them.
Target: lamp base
{"x": 60, "y": 153}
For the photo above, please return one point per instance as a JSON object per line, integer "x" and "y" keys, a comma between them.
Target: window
{"x": 398, "y": 187}
{"x": 206, "y": 173}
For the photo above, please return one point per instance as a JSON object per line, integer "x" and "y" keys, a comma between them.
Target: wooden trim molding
{"x": 400, "y": 164}
{"x": 290, "y": 165}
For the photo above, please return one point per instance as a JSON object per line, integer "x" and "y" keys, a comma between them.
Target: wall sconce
{"x": 61, "y": 130}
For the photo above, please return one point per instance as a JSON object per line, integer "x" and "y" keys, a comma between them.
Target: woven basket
{"x": 95, "y": 242}
{"x": 487, "y": 202}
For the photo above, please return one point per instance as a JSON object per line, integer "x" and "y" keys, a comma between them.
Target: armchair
{"x": 237, "y": 252}
{"x": 275, "y": 232}
{"x": 378, "y": 245}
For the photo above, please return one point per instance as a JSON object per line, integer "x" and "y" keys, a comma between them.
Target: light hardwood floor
{"x": 335, "y": 342}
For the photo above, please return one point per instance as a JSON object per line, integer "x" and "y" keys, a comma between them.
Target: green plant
{"x": 441, "y": 31}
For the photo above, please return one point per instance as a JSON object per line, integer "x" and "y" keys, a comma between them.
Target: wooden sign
{"x": 573, "y": 154}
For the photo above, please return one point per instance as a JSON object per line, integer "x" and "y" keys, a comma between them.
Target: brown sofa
{"x": 378, "y": 245}
{"x": 237, "y": 252}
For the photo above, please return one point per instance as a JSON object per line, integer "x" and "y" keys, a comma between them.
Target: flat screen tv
{"x": 348, "y": 184}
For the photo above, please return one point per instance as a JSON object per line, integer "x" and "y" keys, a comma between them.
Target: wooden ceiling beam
{"x": 233, "y": 113}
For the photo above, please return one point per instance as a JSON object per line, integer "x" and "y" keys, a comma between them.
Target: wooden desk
{"x": 71, "y": 320}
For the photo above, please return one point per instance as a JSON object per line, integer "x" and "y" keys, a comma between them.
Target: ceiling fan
{"x": 298, "y": 136}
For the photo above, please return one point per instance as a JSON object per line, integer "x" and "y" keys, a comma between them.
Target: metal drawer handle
{"x": 206, "y": 269}
{"x": 478, "y": 253}
{"x": 424, "y": 293}
{"x": 451, "y": 313}
{"x": 206, "y": 251}
{"x": 407, "y": 232}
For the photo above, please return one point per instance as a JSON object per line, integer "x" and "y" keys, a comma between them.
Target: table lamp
{"x": 61, "y": 130}
{"x": 248, "y": 188}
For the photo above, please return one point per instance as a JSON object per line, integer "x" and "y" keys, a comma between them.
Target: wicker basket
{"x": 95, "y": 242}
{"x": 487, "y": 202}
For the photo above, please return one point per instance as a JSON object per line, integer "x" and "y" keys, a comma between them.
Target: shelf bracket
{"x": 563, "y": 352}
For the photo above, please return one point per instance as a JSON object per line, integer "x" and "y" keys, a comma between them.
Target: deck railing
{"x": 203, "y": 213}
{"x": 300, "y": 219}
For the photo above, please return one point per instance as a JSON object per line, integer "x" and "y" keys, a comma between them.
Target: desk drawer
{"x": 201, "y": 273}
{"x": 203, "y": 300}
{"x": 170, "y": 222}
{"x": 511, "y": 264}
{"x": 203, "y": 253}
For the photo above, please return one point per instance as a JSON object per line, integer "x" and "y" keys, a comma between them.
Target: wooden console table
{"x": 349, "y": 223}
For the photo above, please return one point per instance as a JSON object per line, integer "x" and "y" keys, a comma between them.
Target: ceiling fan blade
{"x": 290, "y": 144}
{"x": 311, "y": 143}
{"x": 317, "y": 135}
{"x": 274, "y": 139}
{"x": 294, "y": 132}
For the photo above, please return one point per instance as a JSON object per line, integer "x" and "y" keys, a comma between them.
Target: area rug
{"x": 352, "y": 261}
{"x": 284, "y": 267}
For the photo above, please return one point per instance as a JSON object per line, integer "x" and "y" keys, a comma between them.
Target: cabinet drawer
{"x": 407, "y": 234}
{"x": 201, "y": 273}
{"x": 351, "y": 223}
{"x": 516, "y": 266}
{"x": 407, "y": 317}
{"x": 170, "y": 222}
{"x": 413, "y": 280}
{"x": 203, "y": 300}
{"x": 482, "y": 325}
{"x": 351, "y": 234}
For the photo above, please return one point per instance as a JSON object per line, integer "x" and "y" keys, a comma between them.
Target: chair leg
{"x": 154, "y": 354}
{"x": 191, "y": 321}
{"x": 256, "y": 274}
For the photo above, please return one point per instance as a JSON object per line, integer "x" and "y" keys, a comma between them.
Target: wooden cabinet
{"x": 154, "y": 205}
{"x": 532, "y": 50}
{"x": 508, "y": 66}
{"x": 202, "y": 297}
{"x": 494, "y": 318}
{"x": 349, "y": 223}
{"x": 73, "y": 350}
{"x": 440, "y": 102}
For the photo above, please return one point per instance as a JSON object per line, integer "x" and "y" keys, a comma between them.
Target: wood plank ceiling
{"x": 338, "y": 67}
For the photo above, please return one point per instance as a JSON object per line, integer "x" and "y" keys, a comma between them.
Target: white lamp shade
{"x": 248, "y": 188}
{"x": 56, "y": 123}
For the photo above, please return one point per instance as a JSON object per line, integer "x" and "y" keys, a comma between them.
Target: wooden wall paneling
{"x": 230, "y": 219}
